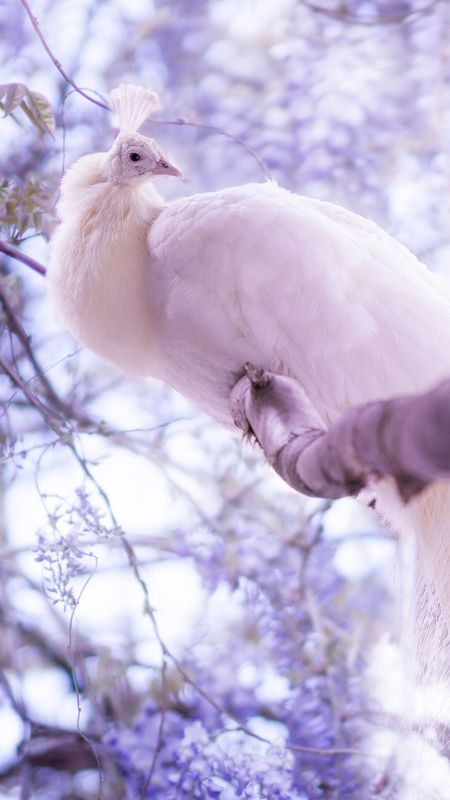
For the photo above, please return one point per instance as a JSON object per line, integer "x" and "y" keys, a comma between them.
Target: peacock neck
{"x": 121, "y": 211}
{"x": 101, "y": 260}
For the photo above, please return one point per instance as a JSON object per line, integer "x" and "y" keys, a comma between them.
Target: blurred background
{"x": 176, "y": 622}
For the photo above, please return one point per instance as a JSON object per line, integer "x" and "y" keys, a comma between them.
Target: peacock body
{"x": 189, "y": 291}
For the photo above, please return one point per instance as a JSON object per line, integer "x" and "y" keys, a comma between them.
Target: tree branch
{"x": 16, "y": 327}
{"x": 35, "y": 23}
{"x": 14, "y": 252}
{"x": 22, "y": 385}
{"x": 216, "y": 129}
{"x": 405, "y": 437}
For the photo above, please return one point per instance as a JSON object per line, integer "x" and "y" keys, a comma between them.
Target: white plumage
{"x": 189, "y": 291}
{"x": 301, "y": 287}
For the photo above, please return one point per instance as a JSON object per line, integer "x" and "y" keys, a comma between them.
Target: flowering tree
{"x": 270, "y": 686}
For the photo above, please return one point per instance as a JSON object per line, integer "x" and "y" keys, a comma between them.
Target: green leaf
{"x": 32, "y": 117}
{"x": 14, "y": 94}
{"x": 42, "y": 110}
{"x": 35, "y": 106}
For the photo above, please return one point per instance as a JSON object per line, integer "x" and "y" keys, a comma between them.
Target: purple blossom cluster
{"x": 65, "y": 545}
{"x": 195, "y": 762}
{"x": 283, "y": 661}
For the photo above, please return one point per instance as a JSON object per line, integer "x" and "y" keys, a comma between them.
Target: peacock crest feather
{"x": 131, "y": 105}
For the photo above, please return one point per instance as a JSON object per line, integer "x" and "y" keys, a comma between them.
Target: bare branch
{"x": 216, "y": 129}
{"x": 35, "y": 23}
{"x": 406, "y": 437}
{"x": 22, "y": 385}
{"x": 55, "y": 748}
{"x": 14, "y": 252}
{"x": 159, "y": 740}
{"x": 17, "y": 328}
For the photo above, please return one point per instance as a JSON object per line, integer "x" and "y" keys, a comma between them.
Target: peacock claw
{"x": 259, "y": 377}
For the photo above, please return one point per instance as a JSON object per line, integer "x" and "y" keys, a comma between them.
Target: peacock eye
{"x": 134, "y": 157}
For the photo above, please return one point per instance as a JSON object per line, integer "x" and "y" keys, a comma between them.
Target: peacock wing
{"x": 305, "y": 288}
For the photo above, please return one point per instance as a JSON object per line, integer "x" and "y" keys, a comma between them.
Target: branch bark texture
{"x": 405, "y": 437}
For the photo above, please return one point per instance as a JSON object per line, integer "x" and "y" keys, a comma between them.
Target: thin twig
{"x": 73, "y": 667}
{"x": 35, "y": 23}
{"x": 159, "y": 738}
{"x": 16, "y": 327}
{"x": 33, "y": 399}
{"x": 222, "y": 132}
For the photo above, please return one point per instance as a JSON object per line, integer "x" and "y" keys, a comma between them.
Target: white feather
{"x": 131, "y": 105}
{"x": 293, "y": 284}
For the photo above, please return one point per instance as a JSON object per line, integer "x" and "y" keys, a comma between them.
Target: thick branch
{"x": 405, "y": 437}
{"x": 14, "y": 252}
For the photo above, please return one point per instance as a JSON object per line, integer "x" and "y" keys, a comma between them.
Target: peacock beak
{"x": 164, "y": 167}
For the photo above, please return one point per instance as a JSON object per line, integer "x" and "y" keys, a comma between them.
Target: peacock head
{"x": 135, "y": 158}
